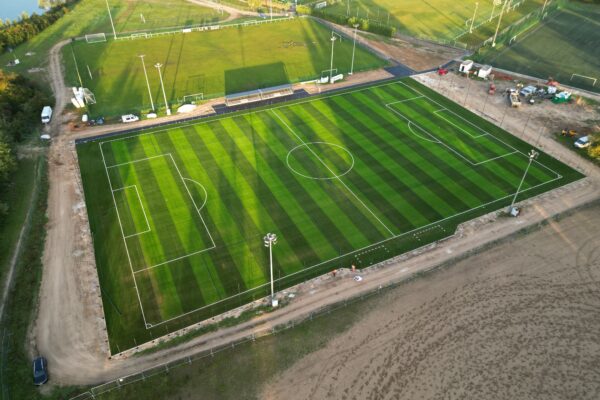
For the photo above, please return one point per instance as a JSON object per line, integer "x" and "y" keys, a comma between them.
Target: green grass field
{"x": 564, "y": 45}
{"x": 439, "y": 19}
{"x": 178, "y": 214}
{"x": 90, "y": 16}
{"x": 213, "y": 63}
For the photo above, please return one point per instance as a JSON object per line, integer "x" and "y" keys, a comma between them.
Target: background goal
{"x": 95, "y": 38}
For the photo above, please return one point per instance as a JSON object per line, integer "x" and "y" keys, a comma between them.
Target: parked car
{"x": 527, "y": 91}
{"x": 40, "y": 371}
{"x": 582, "y": 142}
{"x": 129, "y": 118}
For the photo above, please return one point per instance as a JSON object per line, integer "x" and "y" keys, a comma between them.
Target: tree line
{"x": 21, "y": 102}
{"x": 13, "y": 33}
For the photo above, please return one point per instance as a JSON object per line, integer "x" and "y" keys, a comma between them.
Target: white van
{"x": 46, "y": 114}
{"x": 129, "y": 118}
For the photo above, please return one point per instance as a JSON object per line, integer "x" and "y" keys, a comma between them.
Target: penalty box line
{"x": 411, "y": 232}
{"x": 124, "y": 237}
{"x": 494, "y": 136}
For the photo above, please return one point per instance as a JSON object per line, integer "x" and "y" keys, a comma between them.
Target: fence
{"x": 197, "y": 28}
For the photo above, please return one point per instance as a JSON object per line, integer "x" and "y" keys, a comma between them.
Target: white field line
{"x": 148, "y": 229}
{"x": 428, "y": 226}
{"x": 498, "y": 139}
{"x": 486, "y": 133}
{"x": 175, "y": 259}
{"x": 419, "y": 136}
{"x": 137, "y": 291}
{"x": 405, "y": 100}
{"x": 332, "y": 173}
{"x": 135, "y": 161}
{"x": 205, "y": 192}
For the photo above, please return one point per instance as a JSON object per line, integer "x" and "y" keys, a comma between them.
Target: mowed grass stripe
{"x": 204, "y": 272}
{"x": 490, "y": 179}
{"x": 297, "y": 243}
{"x": 382, "y": 136}
{"x": 446, "y": 168}
{"x": 435, "y": 196}
{"x": 234, "y": 230}
{"x": 510, "y": 165}
{"x": 274, "y": 171}
{"x": 323, "y": 209}
{"x": 394, "y": 137}
{"x": 362, "y": 218}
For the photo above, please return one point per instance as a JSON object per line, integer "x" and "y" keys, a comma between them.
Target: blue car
{"x": 40, "y": 371}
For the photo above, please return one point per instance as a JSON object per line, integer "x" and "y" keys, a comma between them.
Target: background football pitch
{"x": 565, "y": 44}
{"x": 213, "y": 63}
{"x": 178, "y": 214}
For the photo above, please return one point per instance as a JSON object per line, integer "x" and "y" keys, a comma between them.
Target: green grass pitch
{"x": 213, "y": 63}
{"x": 178, "y": 214}
{"x": 566, "y": 44}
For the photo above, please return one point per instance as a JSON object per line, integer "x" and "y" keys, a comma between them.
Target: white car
{"x": 129, "y": 118}
{"x": 582, "y": 142}
{"x": 529, "y": 90}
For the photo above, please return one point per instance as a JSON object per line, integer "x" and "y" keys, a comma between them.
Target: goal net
{"x": 89, "y": 96}
{"x": 95, "y": 38}
{"x": 193, "y": 98}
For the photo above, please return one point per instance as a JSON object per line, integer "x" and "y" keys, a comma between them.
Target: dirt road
{"x": 234, "y": 13}
{"x": 70, "y": 326}
{"x": 518, "y": 321}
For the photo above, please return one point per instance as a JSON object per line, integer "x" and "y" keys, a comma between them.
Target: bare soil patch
{"x": 515, "y": 321}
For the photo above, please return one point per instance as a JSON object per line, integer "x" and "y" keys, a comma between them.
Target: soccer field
{"x": 212, "y": 63}
{"x": 178, "y": 214}
{"x": 564, "y": 47}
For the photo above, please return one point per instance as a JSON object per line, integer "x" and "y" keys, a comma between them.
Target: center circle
{"x": 320, "y": 160}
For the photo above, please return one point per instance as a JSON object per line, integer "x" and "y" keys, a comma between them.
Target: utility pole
{"x": 158, "y": 66}
{"x": 499, "y": 21}
{"x": 354, "y": 48}
{"x": 111, "y": 20}
{"x": 147, "y": 81}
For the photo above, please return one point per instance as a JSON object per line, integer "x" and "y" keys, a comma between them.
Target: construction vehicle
{"x": 513, "y": 96}
{"x": 442, "y": 71}
{"x": 569, "y": 132}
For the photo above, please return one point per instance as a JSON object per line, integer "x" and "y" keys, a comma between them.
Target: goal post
{"x": 588, "y": 79}
{"x": 192, "y": 98}
{"x": 95, "y": 37}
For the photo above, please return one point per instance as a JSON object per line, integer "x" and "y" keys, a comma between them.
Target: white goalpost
{"x": 95, "y": 38}
{"x": 193, "y": 98}
{"x": 584, "y": 77}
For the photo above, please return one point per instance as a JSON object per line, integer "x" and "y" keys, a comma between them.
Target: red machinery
{"x": 442, "y": 71}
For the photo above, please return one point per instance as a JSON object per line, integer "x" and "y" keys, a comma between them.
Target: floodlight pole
{"x": 493, "y": 9}
{"x": 544, "y": 7}
{"x": 270, "y": 239}
{"x": 331, "y": 64}
{"x": 158, "y": 66}
{"x": 353, "y": 48}
{"x": 271, "y": 8}
{"x": 473, "y": 19}
{"x": 147, "y": 81}
{"x": 499, "y": 21}
{"x": 111, "y": 20}
{"x": 532, "y": 156}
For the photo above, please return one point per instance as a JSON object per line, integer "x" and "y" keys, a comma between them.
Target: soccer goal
{"x": 95, "y": 38}
{"x": 586, "y": 79}
{"x": 193, "y": 98}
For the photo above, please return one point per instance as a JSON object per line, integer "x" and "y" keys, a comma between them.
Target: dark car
{"x": 40, "y": 371}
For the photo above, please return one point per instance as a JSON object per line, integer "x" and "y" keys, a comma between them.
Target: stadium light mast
{"x": 532, "y": 156}
{"x": 158, "y": 67}
{"x": 353, "y": 48}
{"x": 111, "y": 20}
{"x": 332, "y": 46}
{"x": 499, "y": 21}
{"x": 270, "y": 239}
{"x": 544, "y": 7}
{"x": 473, "y": 19}
{"x": 147, "y": 81}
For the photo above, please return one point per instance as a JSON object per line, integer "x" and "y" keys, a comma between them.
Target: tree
{"x": 7, "y": 162}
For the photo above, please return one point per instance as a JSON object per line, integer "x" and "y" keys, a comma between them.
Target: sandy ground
{"x": 70, "y": 328}
{"x": 518, "y": 321}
